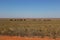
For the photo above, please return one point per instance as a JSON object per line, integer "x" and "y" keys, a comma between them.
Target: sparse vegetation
{"x": 22, "y": 27}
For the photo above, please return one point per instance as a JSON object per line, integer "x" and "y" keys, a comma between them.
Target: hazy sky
{"x": 29, "y": 8}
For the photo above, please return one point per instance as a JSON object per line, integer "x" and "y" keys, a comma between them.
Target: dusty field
{"x": 24, "y": 38}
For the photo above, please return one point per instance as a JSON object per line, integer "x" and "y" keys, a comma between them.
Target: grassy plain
{"x": 30, "y": 27}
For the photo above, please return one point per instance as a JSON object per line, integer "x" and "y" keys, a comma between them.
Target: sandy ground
{"x": 24, "y": 38}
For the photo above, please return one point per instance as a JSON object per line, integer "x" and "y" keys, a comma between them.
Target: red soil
{"x": 24, "y": 38}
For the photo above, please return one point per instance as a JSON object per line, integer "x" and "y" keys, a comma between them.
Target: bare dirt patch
{"x": 25, "y": 38}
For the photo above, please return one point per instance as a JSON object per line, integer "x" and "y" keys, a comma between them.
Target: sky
{"x": 29, "y": 8}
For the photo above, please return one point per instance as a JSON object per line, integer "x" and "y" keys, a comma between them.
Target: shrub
{"x": 24, "y": 19}
{"x": 21, "y": 19}
{"x": 11, "y": 19}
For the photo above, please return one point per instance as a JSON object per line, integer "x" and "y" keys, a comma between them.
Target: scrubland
{"x": 33, "y": 27}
